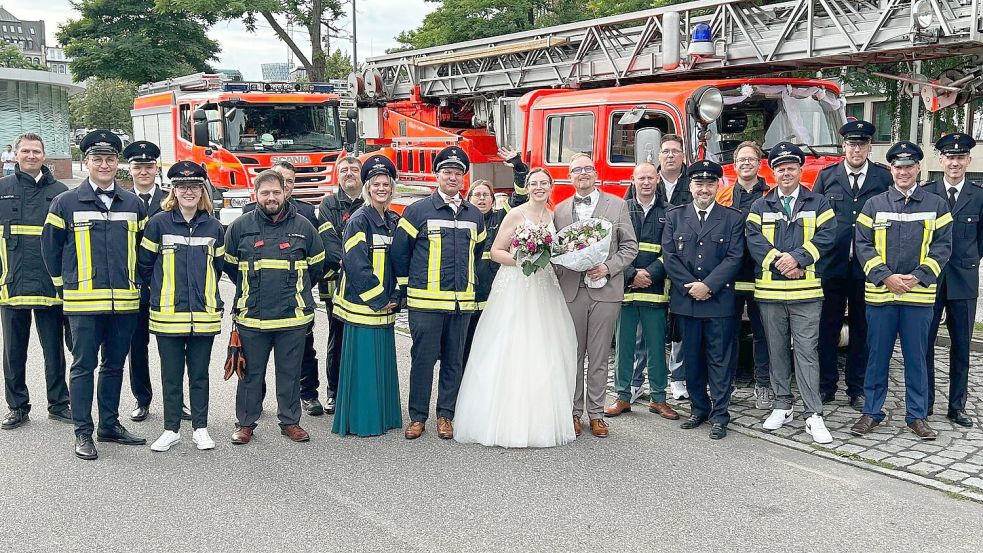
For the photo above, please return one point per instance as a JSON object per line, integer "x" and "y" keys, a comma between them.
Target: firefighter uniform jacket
{"x": 435, "y": 249}
{"x": 808, "y": 235}
{"x": 24, "y": 202}
{"x": 368, "y": 282}
{"x": 332, "y": 216}
{"x": 274, "y": 264}
{"x": 180, "y": 264}
{"x": 962, "y": 273}
{"x": 92, "y": 251}
{"x": 735, "y": 196}
{"x": 485, "y": 268}
{"x": 710, "y": 253}
{"x": 895, "y": 236}
{"x": 648, "y": 230}
{"x": 834, "y": 183}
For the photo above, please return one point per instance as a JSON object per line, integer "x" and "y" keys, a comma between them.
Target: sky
{"x": 245, "y": 51}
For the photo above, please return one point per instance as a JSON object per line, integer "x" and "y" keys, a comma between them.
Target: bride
{"x": 519, "y": 381}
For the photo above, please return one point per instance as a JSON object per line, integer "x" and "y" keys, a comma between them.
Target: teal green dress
{"x": 367, "y": 402}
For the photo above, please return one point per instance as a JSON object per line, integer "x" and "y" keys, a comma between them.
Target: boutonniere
{"x": 345, "y": 216}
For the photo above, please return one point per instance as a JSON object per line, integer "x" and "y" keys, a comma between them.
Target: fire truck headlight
{"x": 922, "y": 15}
{"x": 708, "y": 105}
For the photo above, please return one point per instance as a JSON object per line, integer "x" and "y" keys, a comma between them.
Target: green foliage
{"x": 11, "y": 57}
{"x": 338, "y": 65}
{"x": 105, "y": 104}
{"x": 133, "y": 41}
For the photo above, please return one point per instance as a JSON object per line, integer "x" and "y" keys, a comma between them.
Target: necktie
{"x": 577, "y": 200}
{"x": 146, "y": 199}
{"x": 855, "y": 183}
{"x": 703, "y": 217}
{"x": 787, "y": 204}
{"x": 952, "y": 197}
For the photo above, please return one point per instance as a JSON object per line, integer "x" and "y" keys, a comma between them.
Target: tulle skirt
{"x": 518, "y": 383}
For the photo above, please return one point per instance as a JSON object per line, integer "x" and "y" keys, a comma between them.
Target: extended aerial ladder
{"x": 702, "y": 39}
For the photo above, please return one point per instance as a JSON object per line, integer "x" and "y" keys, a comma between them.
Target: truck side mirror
{"x": 351, "y": 132}
{"x": 648, "y": 142}
{"x": 200, "y": 132}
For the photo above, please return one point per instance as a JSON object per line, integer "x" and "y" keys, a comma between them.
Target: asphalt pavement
{"x": 649, "y": 486}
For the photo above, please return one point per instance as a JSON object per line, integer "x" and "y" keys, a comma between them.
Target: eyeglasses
{"x": 747, "y": 161}
{"x": 452, "y": 173}
{"x": 671, "y": 152}
{"x": 180, "y": 188}
{"x": 481, "y": 195}
{"x": 97, "y": 161}
{"x": 348, "y": 169}
{"x": 581, "y": 170}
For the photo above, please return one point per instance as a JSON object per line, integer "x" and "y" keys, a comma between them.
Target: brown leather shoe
{"x": 922, "y": 429}
{"x": 445, "y": 428}
{"x": 578, "y": 425}
{"x": 295, "y": 433}
{"x": 242, "y": 436}
{"x": 662, "y": 409}
{"x": 599, "y": 428}
{"x": 415, "y": 430}
{"x": 619, "y": 407}
{"x": 863, "y": 426}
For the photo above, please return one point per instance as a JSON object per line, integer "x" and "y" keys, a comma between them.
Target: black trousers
{"x": 708, "y": 350}
{"x": 140, "y": 359}
{"x": 436, "y": 336}
{"x": 838, "y": 293}
{"x": 309, "y": 382}
{"x": 110, "y": 334}
{"x": 16, "y": 324}
{"x": 176, "y": 354}
{"x": 472, "y": 326}
{"x": 960, "y": 316}
{"x": 287, "y": 347}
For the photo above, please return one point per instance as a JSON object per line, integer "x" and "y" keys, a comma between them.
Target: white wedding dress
{"x": 518, "y": 384}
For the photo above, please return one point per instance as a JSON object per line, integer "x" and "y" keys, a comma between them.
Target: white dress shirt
{"x": 585, "y": 211}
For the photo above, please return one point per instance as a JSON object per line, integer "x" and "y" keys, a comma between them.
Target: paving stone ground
{"x": 956, "y": 457}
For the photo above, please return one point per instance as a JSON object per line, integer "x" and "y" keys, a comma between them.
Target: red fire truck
{"x": 612, "y": 87}
{"x": 238, "y": 129}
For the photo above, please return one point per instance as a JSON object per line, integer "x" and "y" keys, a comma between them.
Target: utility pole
{"x": 354, "y": 41}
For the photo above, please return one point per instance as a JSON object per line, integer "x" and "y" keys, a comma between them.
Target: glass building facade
{"x": 35, "y": 105}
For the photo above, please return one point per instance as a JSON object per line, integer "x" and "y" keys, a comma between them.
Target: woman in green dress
{"x": 367, "y": 301}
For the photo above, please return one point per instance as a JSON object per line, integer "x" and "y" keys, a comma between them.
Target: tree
{"x": 131, "y": 40}
{"x": 318, "y": 17}
{"x": 105, "y": 104}
{"x": 338, "y": 65}
{"x": 11, "y": 57}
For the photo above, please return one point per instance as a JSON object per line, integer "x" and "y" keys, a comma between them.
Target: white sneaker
{"x": 636, "y": 392}
{"x": 777, "y": 418}
{"x": 678, "y": 389}
{"x": 166, "y": 440}
{"x": 816, "y": 428}
{"x": 202, "y": 439}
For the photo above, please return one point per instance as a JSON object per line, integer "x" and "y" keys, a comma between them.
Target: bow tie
{"x": 104, "y": 192}
{"x": 577, "y": 200}
{"x": 455, "y": 201}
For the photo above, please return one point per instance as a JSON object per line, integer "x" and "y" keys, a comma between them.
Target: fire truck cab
{"x": 238, "y": 129}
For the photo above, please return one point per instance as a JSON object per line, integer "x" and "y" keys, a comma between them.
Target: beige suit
{"x": 595, "y": 311}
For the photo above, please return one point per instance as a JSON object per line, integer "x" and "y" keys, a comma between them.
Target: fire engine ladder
{"x": 193, "y": 82}
{"x": 706, "y": 38}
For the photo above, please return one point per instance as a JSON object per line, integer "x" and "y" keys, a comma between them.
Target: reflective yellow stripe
{"x": 873, "y": 264}
{"x": 754, "y": 218}
{"x": 933, "y": 265}
{"x": 441, "y": 305}
{"x": 943, "y": 220}
{"x": 485, "y": 255}
{"x": 923, "y": 257}
{"x": 374, "y": 292}
{"x": 408, "y": 228}
{"x": 433, "y": 263}
{"x": 865, "y": 220}
{"x": 167, "y": 281}
{"x": 646, "y": 297}
{"x": 481, "y": 237}
{"x": 919, "y": 295}
{"x": 54, "y": 221}
{"x": 100, "y": 306}
{"x": 26, "y": 230}
{"x": 101, "y": 293}
{"x": 211, "y": 280}
{"x": 438, "y": 294}
{"x": 354, "y": 240}
{"x": 229, "y": 258}
{"x": 149, "y": 245}
{"x": 824, "y": 217}
{"x": 649, "y": 247}
{"x": 274, "y": 324}
{"x": 132, "y": 229}
{"x": 58, "y": 281}
{"x": 185, "y": 316}
{"x": 741, "y": 286}
{"x": 29, "y": 301}
{"x": 299, "y": 295}
{"x": 184, "y": 328}
{"x": 316, "y": 259}
{"x": 325, "y": 226}
{"x": 812, "y": 249}
{"x": 402, "y": 281}
{"x": 83, "y": 257}
{"x": 4, "y": 266}
{"x": 374, "y": 319}
{"x": 278, "y": 264}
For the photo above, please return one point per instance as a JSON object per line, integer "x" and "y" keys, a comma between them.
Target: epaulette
{"x": 675, "y": 207}
{"x": 974, "y": 183}
{"x": 830, "y": 166}
{"x": 732, "y": 208}
{"x": 881, "y": 165}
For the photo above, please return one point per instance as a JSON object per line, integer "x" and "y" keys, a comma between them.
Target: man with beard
{"x": 274, "y": 255}
{"x": 959, "y": 282}
{"x": 703, "y": 248}
{"x": 847, "y": 187}
{"x": 332, "y": 216}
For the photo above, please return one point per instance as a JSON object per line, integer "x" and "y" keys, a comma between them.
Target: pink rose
{"x": 581, "y": 246}
{"x": 548, "y": 239}
{"x": 530, "y": 245}
{"x": 515, "y": 242}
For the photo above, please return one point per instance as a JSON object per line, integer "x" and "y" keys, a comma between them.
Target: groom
{"x": 595, "y": 311}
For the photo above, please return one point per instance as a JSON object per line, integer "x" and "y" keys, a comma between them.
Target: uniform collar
{"x": 896, "y": 195}
{"x": 863, "y": 169}
{"x": 87, "y": 190}
{"x": 44, "y": 177}
{"x": 178, "y": 218}
{"x": 289, "y": 207}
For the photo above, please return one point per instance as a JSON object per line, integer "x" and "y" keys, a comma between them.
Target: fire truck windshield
{"x": 769, "y": 114}
{"x": 281, "y": 127}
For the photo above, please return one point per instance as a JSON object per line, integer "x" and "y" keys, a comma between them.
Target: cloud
{"x": 245, "y": 51}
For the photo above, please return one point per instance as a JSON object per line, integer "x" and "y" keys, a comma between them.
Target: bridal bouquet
{"x": 583, "y": 245}
{"x": 533, "y": 246}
